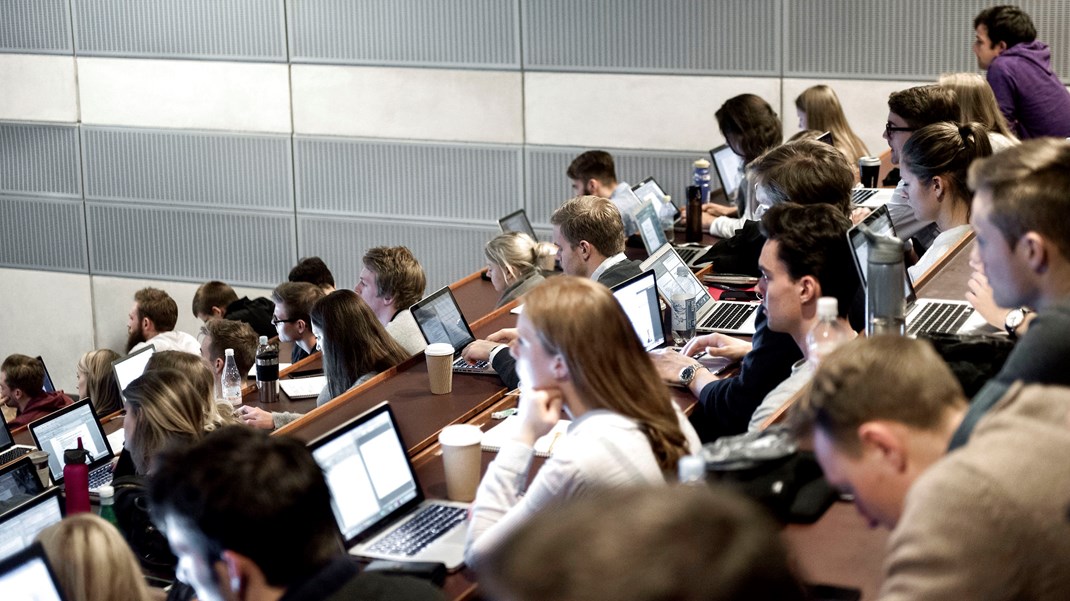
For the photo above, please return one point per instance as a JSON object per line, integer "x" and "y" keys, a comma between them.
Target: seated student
{"x": 262, "y": 529}
{"x": 293, "y": 300}
{"x": 819, "y": 109}
{"x": 312, "y": 270}
{"x": 355, "y": 347}
{"x": 625, "y": 430}
{"x": 152, "y": 321}
{"x": 987, "y": 521}
{"x": 96, "y": 381}
{"x": 391, "y": 281}
{"x": 933, "y": 165}
{"x": 91, "y": 560}
{"x": 217, "y": 299}
{"x": 594, "y": 174}
{"x": 513, "y": 264}
{"x": 218, "y": 335}
{"x": 977, "y": 104}
{"x": 685, "y": 543}
{"x": 22, "y": 381}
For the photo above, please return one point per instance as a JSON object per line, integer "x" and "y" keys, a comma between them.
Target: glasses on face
{"x": 275, "y": 321}
{"x": 889, "y": 128}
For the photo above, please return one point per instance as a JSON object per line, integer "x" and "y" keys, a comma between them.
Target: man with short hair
{"x": 986, "y": 521}
{"x": 217, "y": 335}
{"x": 293, "y": 302}
{"x": 261, "y": 528}
{"x": 594, "y": 174}
{"x": 152, "y": 321}
{"x": 391, "y": 282}
{"x": 217, "y": 299}
{"x": 22, "y": 380}
{"x": 313, "y": 271}
{"x": 590, "y": 241}
{"x": 1031, "y": 96}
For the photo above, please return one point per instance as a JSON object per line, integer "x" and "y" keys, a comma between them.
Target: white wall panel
{"x": 424, "y": 104}
{"x": 37, "y": 87}
{"x": 632, "y": 111}
{"x": 185, "y": 94}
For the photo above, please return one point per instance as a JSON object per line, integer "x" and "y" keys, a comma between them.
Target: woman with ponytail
{"x": 513, "y": 264}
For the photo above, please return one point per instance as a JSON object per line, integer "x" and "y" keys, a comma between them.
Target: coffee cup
{"x": 40, "y": 463}
{"x": 869, "y": 169}
{"x": 461, "y": 459}
{"x": 440, "y": 367}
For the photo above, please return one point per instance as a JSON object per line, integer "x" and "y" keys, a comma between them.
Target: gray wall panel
{"x": 397, "y": 179}
{"x": 39, "y": 160}
{"x": 190, "y": 245}
{"x": 42, "y": 234}
{"x": 38, "y": 26}
{"x": 225, "y": 29}
{"x": 203, "y": 169}
{"x": 473, "y": 33}
{"x": 662, "y": 36}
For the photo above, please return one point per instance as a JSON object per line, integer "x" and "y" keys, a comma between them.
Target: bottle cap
{"x": 263, "y": 340}
{"x": 691, "y": 468}
{"x": 702, "y": 164}
{"x": 106, "y": 491}
{"x": 229, "y": 352}
{"x": 828, "y": 306}
{"x": 74, "y": 456}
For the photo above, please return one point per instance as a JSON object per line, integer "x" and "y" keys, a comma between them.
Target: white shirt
{"x": 610, "y": 262}
{"x": 801, "y": 373}
{"x": 940, "y": 247}
{"x": 404, "y": 330}
{"x": 171, "y": 341}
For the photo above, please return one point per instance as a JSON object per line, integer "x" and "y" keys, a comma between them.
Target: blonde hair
{"x": 167, "y": 411}
{"x": 516, "y": 253}
{"x": 92, "y": 561}
{"x": 624, "y": 380}
{"x": 216, "y": 415}
{"x": 100, "y": 383}
{"x": 977, "y": 103}
{"x": 824, "y": 113}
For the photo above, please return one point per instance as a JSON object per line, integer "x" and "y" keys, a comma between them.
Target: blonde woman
{"x": 96, "y": 381}
{"x": 513, "y": 264}
{"x": 92, "y": 561}
{"x": 216, "y": 414}
{"x": 977, "y": 104}
{"x": 163, "y": 408}
{"x": 625, "y": 429}
{"x": 819, "y": 109}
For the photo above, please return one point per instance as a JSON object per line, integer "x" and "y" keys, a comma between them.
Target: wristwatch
{"x": 687, "y": 374}
{"x": 1014, "y": 320}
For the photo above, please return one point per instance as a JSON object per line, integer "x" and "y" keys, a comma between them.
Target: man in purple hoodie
{"x": 1031, "y": 96}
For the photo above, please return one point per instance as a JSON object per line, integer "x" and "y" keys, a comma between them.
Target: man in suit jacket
{"x": 589, "y": 235}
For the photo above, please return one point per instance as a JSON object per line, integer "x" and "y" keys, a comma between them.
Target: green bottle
{"x": 107, "y": 505}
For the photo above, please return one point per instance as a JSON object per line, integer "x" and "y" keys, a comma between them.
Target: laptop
{"x": 826, "y": 137}
{"x": 19, "y": 527}
{"x": 27, "y": 575}
{"x": 638, "y": 296}
{"x": 60, "y": 431}
{"x": 649, "y": 190}
{"x": 517, "y": 221}
{"x": 49, "y": 385}
{"x": 9, "y": 451}
{"x": 674, "y": 277}
{"x": 729, "y": 168}
{"x": 129, "y": 368}
{"x": 440, "y": 320}
{"x": 654, "y": 237}
{"x": 18, "y": 483}
{"x": 376, "y": 497}
{"x": 871, "y": 197}
{"x": 922, "y": 315}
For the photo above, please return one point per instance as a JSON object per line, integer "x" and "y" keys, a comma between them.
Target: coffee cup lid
{"x": 439, "y": 349}
{"x": 460, "y": 435}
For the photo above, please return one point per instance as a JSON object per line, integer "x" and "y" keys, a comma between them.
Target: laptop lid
{"x": 517, "y": 221}
{"x": 6, "y": 440}
{"x": 20, "y": 526}
{"x": 129, "y": 368}
{"x": 826, "y": 138}
{"x": 49, "y": 385}
{"x": 646, "y": 218}
{"x": 28, "y": 575}
{"x": 18, "y": 483}
{"x": 674, "y": 277}
{"x": 648, "y": 190}
{"x": 638, "y": 296}
{"x": 440, "y": 320}
{"x": 729, "y": 168}
{"x": 60, "y": 430}
{"x": 878, "y": 222}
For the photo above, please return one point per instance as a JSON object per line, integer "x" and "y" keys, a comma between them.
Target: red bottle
{"x": 76, "y": 479}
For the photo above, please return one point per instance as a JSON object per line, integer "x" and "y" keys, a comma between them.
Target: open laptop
{"x": 654, "y": 237}
{"x": 18, "y": 483}
{"x": 129, "y": 368}
{"x": 27, "y": 574}
{"x": 20, "y": 526}
{"x": 729, "y": 168}
{"x": 649, "y": 190}
{"x": 871, "y": 197}
{"x": 49, "y": 386}
{"x": 922, "y": 315}
{"x": 638, "y": 296}
{"x": 674, "y": 277}
{"x": 440, "y": 320}
{"x": 9, "y": 451}
{"x": 517, "y": 221}
{"x": 376, "y": 497}
{"x": 60, "y": 431}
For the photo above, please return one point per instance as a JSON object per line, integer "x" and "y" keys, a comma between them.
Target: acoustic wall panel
{"x": 37, "y": 233}
{"x": 221, "y": 29}
{"x": 653, "y": 36}
{"x": 40, "y": 160}
{"x": 181, "y": 244}
{"x": 191, "y": 168}
{"x": 38, "y": 26}
{"x": 456, "y": 183}
{"x": 469, "y": 33}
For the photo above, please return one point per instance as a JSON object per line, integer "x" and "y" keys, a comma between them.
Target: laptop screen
{"x": 61, "y": 430}
{"x": 674, "y": 277}
{"x": 878, "y": 222}
{"x": 368, "y": 472}
{"x": 49, "y": 385}
{"x": 130, "y": 367}
{"x": 639, "y": 299}
{"x": 20, "y": 526}
{"x": 729, "y": 168}
{"x": 650, "y": 228}
{"x": 440, "y": 320}
{"x": 18, "y": 483}
{"x": 517, "y": 221}
{"x": 648, "y": 190}
{"x": 27, "y": 575}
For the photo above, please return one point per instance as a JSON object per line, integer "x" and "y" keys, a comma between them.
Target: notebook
{"x": 729, "y": 168}
{"x": 674, "y": 277}
{"x": 517, "y": 221}
{"x": 60, "y": 431}
{"x": 20, "y": 526}
{"x": 49, "y": 386}
{"x": 376, "y": 497}
{"x": 27, "y": 575}
{"x": 653, "y": 236}
{"x": 18, "y": 483}
{"x": 129, "y": 368}
{"x": 9, "y": 451}
{"x": 922, "y": 315}
{"x": 303, "y": 388}
{"x": 440, "y": 320}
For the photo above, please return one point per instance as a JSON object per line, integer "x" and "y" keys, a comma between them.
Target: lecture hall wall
{"x": 163, "y": 143}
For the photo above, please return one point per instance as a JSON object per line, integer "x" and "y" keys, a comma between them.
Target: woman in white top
{"x": 576, "y": 351}
{"x": 933, "y": 166}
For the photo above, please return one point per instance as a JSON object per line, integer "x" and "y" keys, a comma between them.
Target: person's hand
{"x": 669, "y": 363}
{"x": 256, "y": 417}
{"x": 504, "y": 336}
{"x": 859, "y": 214}
{"x": 980, "y": 296}
{"x": 478, "y": 351}
{"x": 717, "y": 345}
{"x": 539, "y": 412}
{"x": 719, "y": 210}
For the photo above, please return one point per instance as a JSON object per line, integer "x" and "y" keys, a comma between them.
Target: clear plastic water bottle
{"x": 230, "y": 381}
{"x": 691, "y": 469}
{"x": 828, "y": 333}
{"x": 702, "y": 178}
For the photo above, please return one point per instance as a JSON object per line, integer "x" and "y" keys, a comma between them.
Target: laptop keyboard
{"x": 479, "y": 367}
{"x": 861, "y": 195}
{"x": 688, "y": 253}
{"x": 727, "y": 316}
{"x": 13, "y": 454}
{"x": 424, "y": 528}
{"x": 100, "y": 476}
{"x": 943, "y": 318}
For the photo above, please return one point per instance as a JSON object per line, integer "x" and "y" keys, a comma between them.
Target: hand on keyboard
{"x": 718, "y": 345}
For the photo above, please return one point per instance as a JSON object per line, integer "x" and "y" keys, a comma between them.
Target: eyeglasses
{"x": 275, "y": 321}
{"x": 889, "y": 128}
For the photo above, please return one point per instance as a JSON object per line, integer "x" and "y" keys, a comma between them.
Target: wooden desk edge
{"x": 939, "y": 265}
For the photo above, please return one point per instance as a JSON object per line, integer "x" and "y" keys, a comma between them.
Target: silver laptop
{"x": 60, "y": 430}
{"x": 654, "y": 237}
{"x": 871, "y": 197}
{"x": 638, "y": 296}
{"x": 674, "y": 277}
{"x": 18, "y": 483}
{"x": 9, "y": 451}
{"x": 376, "y": 497}
{"x": 517, "y": 221}
{"x": 922, "y": 315}
{"x": 440, "y": 320}
{"x": 27, "y": 574}
{"x": 129, "y": 368}
{"x": 20, "y": 526}
{"x": 729, "y": 168}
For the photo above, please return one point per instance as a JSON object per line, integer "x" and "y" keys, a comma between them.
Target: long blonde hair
{"x": 607, "y": 365}
{"x": 977, "y": 103}
{"x": 167, "y": 411}
{"x": 92, "y": 561}
{"x": 216, "y": 415}
{"x": 824, "y": 113}
{"x": 100, "y": 383}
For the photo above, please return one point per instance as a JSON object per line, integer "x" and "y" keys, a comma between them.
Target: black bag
{"x": 973, "y": 358}
{"x": 148, "y": 543}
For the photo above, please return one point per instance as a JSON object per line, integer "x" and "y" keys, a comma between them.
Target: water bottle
{"x": 691, "y": 470}
{"x": 828, "y": 333}
{"x": 702, "y": 178}
{"x": 694, "y": 214}
{"x": 230, "y": 381}
{"x": 885, "y": 276}
{"x": 107, "y": 505}
{"x": 267, "y": 371}
{"x": 76, "y": 479}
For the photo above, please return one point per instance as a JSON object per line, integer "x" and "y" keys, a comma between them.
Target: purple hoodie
{"x": 1030, "y": 95}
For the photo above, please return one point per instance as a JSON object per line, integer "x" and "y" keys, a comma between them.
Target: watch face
{"x": 687, "y": 374}
{"x": 1014, "y": 319}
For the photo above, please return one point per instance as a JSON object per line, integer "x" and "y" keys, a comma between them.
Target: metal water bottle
{"x": 76, "y": 479}
{"x": 267, "y": 371}
{"x": 885, "y": 277}
{"x": 694, "y": 214}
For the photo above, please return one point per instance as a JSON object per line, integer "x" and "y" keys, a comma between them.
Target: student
{"x": 218, "y": 335}
{"x": 594, "y": 174}
{"x": 933, "y": 165}
{"x": 312, "y": 270}
{"x": 262, "y": 529}
{"x": 987, "y": 521}
{"x": 216, "y": 299}
{"x": 217, "y": 412}
{"x": 22, "y": 381}
{"x": 590, "y": 241}
{"x": 1031, "y": 96}
{"x": 293, "y": 301}
{"x": 513, "y": 264}
{"x": 91, "y": 560}
{"x": 625, "y": 430}
{"x": 152, "y": 321}
{"x": 391, "y": 281}
{"x": 819, "y": 109}
{"x": 96, "y": 381}
{"x": 977, "y": 104}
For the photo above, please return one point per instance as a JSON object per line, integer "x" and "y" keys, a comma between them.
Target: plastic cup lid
{"x": 439, "y": 349}
{"x": 460, "y": 435}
